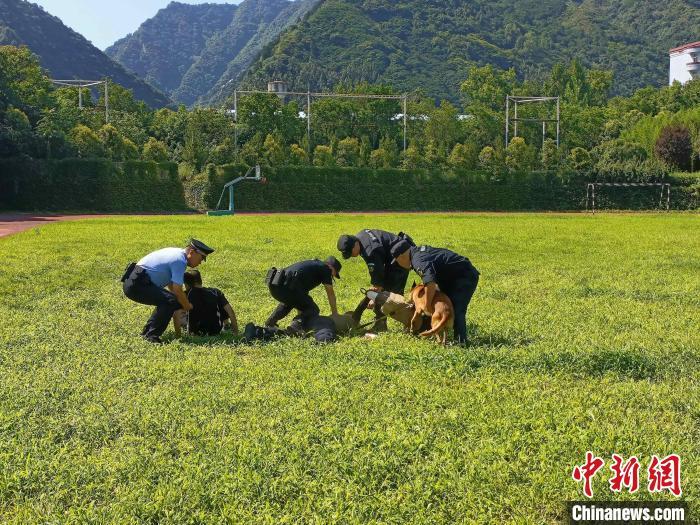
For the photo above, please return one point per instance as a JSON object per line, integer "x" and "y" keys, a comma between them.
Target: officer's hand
{"x": 188, "y": 307}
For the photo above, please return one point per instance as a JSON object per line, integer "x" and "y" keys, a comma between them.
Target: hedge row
{"x": 135, "y": 186}
{"x": 90, "y": 185}
{"x": 359, "y": 189}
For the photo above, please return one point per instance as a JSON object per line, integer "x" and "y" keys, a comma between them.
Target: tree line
{"x": 644, "y": 136}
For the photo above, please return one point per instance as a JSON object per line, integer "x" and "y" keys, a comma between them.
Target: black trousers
{"x": 139, "y": 288}
{"x": 460, "y": 293}
{"x": 290, "y": 298}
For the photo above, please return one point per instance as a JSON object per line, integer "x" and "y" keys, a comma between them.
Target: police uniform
{"x": 454, "y": 274}
{"x": 291, "y": 287}
{"x": 144, "y": 282}
{"x": 208, "y": 313}
{"x": 375, "y": 250}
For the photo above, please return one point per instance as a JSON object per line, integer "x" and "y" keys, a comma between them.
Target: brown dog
{"x": 443, "y": 313}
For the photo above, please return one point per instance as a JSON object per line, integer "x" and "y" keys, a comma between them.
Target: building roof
{"x": 684, "y": 47}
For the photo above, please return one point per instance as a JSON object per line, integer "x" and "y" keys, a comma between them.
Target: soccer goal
{"x": 593, "y": 187}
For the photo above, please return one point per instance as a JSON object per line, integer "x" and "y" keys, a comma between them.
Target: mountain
{"x": 164, "y": 48}
{"x": 428, "y": 45}
{"x": 64, "y": 53}
{"x": 194, "y": 52}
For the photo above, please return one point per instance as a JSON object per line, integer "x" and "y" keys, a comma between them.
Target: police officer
{"x": 146, "y": 280}
{"x": 374, "y": 246}
{"x": 438, "y": 267}
{"x": 291, "y": 287}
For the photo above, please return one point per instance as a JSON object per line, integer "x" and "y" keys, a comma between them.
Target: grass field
{"x": 584, "y": 336}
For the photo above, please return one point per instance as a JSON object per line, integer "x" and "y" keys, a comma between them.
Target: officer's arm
{"x": 178, "y": 322}
{"x": 181, "y": 297}
{"x": 331, "y": 298}
{"x": 430, "y": 290}
{"x": 376, "y": 271}
{"x": 232, "y": 317}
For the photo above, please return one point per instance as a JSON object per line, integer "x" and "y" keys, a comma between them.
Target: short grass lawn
{"x": 585, "y": 335}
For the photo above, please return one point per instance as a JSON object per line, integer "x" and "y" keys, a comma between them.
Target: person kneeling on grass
{"x": 144, "y": 282}
{"x": 291, "y": 286}
{"x": 210, "y": 313}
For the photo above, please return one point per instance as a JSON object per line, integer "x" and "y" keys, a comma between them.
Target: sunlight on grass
{"x": 584, "y": 336}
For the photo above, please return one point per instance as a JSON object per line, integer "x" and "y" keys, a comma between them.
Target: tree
{"x": 297, "y": 155}
{"x": 155, "y": 150}
{"x": 550, "y": 155}
{"x": 464, "y": 156}
{"x": 674, "y": 147}
{"x": 519, "y": 155}
{"x": 114, "y": 145}
{"x": 443, "y": 128}
{"x": 579, "y": 159}
{"x": 86, "y": 142}
{"x": 484, "y": 93}
{"x": 412, "y": 158}
{"x": 15, "y": 133}
{"x": 129, "y": 150}
{"x": 259, "y": 114}
{"x": 323, "y": 156}
{"x": 274, "y": 153}
{"x": 24, "y": 84}
{"x": 348, "y": 152}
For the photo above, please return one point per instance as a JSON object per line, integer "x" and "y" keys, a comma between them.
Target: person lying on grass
{"x": 210, "y": 313}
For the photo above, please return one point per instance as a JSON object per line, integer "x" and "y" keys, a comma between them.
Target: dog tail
{"x": 445, "y": 319}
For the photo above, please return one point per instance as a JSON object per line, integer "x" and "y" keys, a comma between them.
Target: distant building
{"x": 684, "y": 63}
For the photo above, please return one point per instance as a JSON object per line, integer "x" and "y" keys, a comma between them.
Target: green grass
{"x": 584, "y": 337}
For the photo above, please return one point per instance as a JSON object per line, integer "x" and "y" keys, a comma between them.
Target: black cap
{"x": 345, "y": 245}
{"x": 335, "y": 264}
{"x": 201, "y": 248}
{"x": 399, "y": 248}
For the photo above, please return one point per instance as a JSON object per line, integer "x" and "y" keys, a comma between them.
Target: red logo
{"x": 664, "y": 474}
{"x": 586, "y": 472}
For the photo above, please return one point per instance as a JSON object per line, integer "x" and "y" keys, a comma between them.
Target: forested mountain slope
{"x": 63, "y": 52}
{"x": 422, "y": 44}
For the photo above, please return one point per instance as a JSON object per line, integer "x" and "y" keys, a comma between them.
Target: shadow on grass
{"x": 629, "y": 364}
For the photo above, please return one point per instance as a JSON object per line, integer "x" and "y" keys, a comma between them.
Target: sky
{"x": 103, "y": 22}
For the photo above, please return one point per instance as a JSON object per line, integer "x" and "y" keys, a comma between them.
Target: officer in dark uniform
{"x": 145, "y": 281}
{"x": 291, "y": 287}
{"x": 374, "y": 246}
{"x": 438, "y": 267}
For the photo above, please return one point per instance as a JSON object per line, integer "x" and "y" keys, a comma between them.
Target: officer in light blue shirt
{"x": 145, "y": 282}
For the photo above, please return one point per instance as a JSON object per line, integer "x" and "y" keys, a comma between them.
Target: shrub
{"x": 674, "y": 147}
